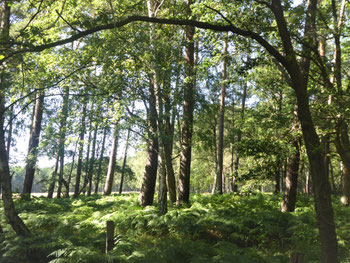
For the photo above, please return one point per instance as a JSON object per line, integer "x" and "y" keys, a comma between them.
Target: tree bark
{"x": 219, "y": 181}
{"x": 239, "y": 135}
{"x": 162, "y": 193}
{"x": 99, "y": 168}
{"x": 9, "y": 132}
{"x": 71, "y": 171}
{"x": 124, "y": 162}
{"x": 53, "y": 177}
{"x": 81, "y": 150}
{"x": 168, "y": 150}
{"x": 112, "y": 162}
{"x": 150, "y": 175}
{"x": 86, "y": 171}
{"x": 290, "y": 193}
{"x": 92, "y": 161}
{"x": 187, "y": 122}
{"x": 15, "y": 221}
{"x": 62, "y": 139}
{"x": 33, "y": 145}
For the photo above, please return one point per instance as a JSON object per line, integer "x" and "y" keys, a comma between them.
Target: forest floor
{"x": 228, "y": 228}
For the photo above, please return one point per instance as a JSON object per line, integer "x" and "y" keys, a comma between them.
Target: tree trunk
{"x": 290, "y": 193}
{"x": 170, "y": 117}
{"x": 5, "y": 179}
{"x": 53, "y": 178}
{"x": 99, "y": 169}
{"x": 9, "y": 133}
{"x": 81, "y": 151}
{"x": 162, "y": 193}
{"x": 279, "y": 162}
{"x": 92, "y": 161}
{"x": 15, "y": 221}
{"x": 299, "y": 78}
{"x": 187, "y": 121}
{"x": 342, "y": 144}
{"x": 62, "y": 139}
{"x": 124, "y": 162}
{"x": 233, "y": 178}
{"x": 215, "y": 153}
{"x": 112, "y": 160}
{"x": 219, "y": 181}
{"x": 83, "y": 189}
{"x": 33, "y": 145}
{"x": 71, "y": 170}
{"x": 149, "y": 179}
{"x": 239, "y": 135}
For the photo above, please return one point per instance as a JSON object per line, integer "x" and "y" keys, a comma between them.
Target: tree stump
{"x": 109, "y": 236}
{"x": 297, "y": 258}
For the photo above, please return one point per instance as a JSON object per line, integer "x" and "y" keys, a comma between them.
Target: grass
{"x": 228, "y": 228}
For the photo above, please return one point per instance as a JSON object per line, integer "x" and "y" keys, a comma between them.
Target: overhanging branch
{"x": 203, "y": 25}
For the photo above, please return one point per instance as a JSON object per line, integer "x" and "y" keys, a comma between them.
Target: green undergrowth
{"x": 228, "y": 228}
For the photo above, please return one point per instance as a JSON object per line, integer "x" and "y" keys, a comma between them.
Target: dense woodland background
{"x": 227, "y": 119}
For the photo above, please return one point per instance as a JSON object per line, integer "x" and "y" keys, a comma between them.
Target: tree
{"x": 33, "y": 144}
{"x": 99, "y": 168}
{"x": 290, "y": 193}
{"x": 124, "y": 161}
{"x": 92, "y": 160}
{"x": 62, "y": 138}
{"x": 5, "y": 180}
{"x": 187, "y": 121}
{"x": 219, "y": 173}
{"x": 112, "y": 160}
{"x": 81, "y": 150}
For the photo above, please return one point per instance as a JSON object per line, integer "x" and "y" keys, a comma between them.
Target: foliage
{"x": 228, "y": 228}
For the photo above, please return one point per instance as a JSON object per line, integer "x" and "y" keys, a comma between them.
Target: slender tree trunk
{"x": 215, "y": 153}
{"x": 112, "y": 160}
{"x": 71, "y": 170}
{"x": 80, "y": 155}
{"x": 124, "y": 162}
{"x": 233, "y": 178}
{"x": 342, "y": 144}
{"x": 99, "y": 169}
{"x": 239, "y": 135}
{"x": 33, "y": 145}
{"x": 9, "y": 132}
{"x": 53, "y": 177}
{"x": 83, "y": 189}
{"x": 168, "y": 151}
{"x": 62, "y": 139}
{"x": 162, "y": 194}
{"x": 290, "y": 194}
{"x": 149, "y": 179}
{"x": 332, "y": 177}
{"x": 279, "y": 162}
{"x": 219, "y": 181}
{"x": 187, "y": 122}
{"x": 92, "y": 161}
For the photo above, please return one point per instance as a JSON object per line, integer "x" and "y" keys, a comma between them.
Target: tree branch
{"x": 72, "y": 27}
{"x": 203, "y": 25}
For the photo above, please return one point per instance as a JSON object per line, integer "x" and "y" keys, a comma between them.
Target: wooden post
{"x": 110, "y": 236}
{"x": 297, "y": 258}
